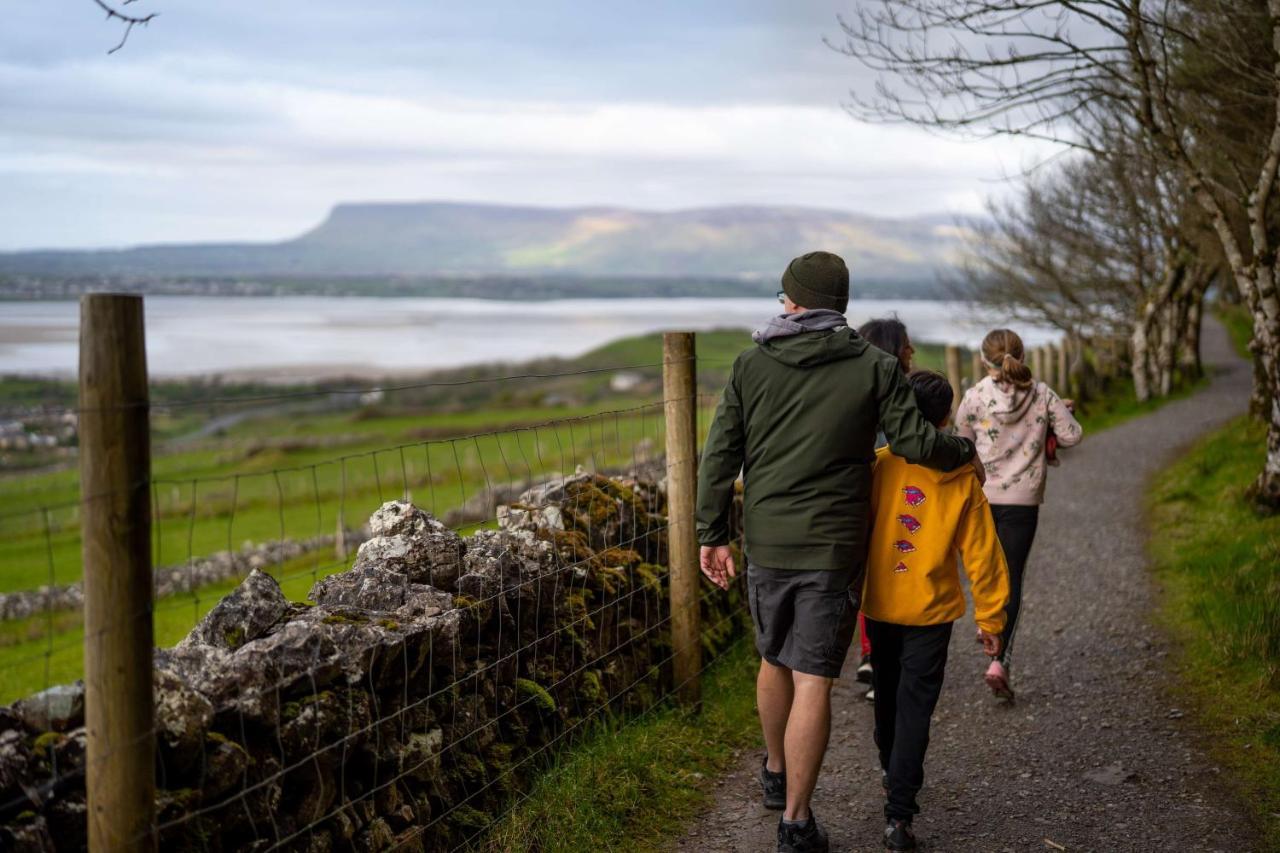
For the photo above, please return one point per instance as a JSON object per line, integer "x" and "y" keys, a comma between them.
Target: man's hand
{"x": 717, "y": 564}
{"x": 990, "y": 643}
{"x": 979, "y": 469}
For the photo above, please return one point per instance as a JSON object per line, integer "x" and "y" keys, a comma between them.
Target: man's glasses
{"x": 782, "y": 297}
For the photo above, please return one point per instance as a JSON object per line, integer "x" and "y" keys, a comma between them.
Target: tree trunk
{"x": 1266, "y": 350}
{"x": 1139, "y": 363}
{"x": 1167, "y": 347}
{"x": 1189, "y": 363}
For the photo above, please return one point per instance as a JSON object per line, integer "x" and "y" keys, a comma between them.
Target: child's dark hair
{"x": 933, "y": 394}
{"x": 887, "y": 333}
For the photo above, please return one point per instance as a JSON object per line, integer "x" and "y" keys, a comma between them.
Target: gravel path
{"x": 1095, "y": 755}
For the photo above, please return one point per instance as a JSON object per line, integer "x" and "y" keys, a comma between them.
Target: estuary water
{"x": 299, "y": 337}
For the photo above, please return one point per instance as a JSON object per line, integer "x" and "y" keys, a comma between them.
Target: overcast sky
{"x": 248, "y": 120}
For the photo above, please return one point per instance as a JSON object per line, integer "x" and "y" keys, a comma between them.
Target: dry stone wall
{"x": 407, "y": 704}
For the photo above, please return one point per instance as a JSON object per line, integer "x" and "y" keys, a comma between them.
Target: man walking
{"x": 799, "y": 418}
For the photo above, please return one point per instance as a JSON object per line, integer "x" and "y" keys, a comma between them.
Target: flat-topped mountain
{"x": 445, "y": 239}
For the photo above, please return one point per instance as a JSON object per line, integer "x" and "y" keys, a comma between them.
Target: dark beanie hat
{"x": 818, "y": 280}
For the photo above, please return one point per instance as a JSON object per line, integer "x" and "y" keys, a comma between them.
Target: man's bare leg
{"x": 808, "y": 728}
{"x": 774, "y": 690}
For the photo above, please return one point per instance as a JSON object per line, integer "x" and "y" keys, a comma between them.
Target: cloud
{"x": 219, "y": 127}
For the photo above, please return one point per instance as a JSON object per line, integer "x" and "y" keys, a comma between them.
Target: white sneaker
{"x": 864, "y": 670}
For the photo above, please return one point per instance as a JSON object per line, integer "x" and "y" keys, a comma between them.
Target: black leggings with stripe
{"x": 1016, "y": 529}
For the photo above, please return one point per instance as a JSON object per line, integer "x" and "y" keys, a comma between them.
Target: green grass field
{"x": 1219, "y": 565}
{"x": 289, "y": 476}
{"x": 282, "y": 476}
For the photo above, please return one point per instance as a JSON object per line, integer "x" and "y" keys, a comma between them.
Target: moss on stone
{"x": 234, "y": 637}
{"x": 592, "y": 686}
{"x": 45, "y": 742}
{"x": 650, "y": 576}
{"x": 618, "y": 558}
{"x": 294, "y": 708}
{"x": 542, "y": 700}
{"x": 180, "y": 799}
{"x": 344, "y": 619}
{"x": 469, "y": 766}
{"x": 389, "y": 624}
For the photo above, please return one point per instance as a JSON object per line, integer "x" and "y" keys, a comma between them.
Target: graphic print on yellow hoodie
{"x": 922, "y": 521}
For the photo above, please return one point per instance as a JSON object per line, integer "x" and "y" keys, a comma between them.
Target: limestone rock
{"x": 182, "y": 714}
{"x": 15, "y": 764}
{"x": 54, "y": 710}
{"x": 246, "y": 614}
{"x": 372, "y": 586}
{"x": 409, "y": 541}
{"x": 31, "y": 836}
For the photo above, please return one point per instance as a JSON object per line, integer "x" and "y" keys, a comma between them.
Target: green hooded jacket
{"x": 799, "y": 419}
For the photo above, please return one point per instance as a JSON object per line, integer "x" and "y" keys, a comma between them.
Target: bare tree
{"x": 129, "y": 21}
{"x": 1061, "y": 69}
{"x": 1099, "y": 249}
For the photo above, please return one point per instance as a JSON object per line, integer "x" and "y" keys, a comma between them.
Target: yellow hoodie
{"x": 922, "y": 520}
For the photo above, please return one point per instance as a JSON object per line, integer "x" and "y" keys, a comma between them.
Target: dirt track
{"x": 1095, "y": 755}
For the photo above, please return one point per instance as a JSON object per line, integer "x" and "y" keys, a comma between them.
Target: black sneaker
{"x": 864, "y": 669}
{"x": 774, "y": 786}
{"x": 808, "y": 837}
{"x": 898, "y": 835}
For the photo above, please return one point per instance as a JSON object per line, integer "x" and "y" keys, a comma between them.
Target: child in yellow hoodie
{"x": 923, "y": 523}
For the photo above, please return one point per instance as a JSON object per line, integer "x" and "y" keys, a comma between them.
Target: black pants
{"x": 909, "y": 662}
{"x": 1016, "y": 530}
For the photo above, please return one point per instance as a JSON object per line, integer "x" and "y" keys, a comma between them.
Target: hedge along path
{"x": 1095, "y": 754}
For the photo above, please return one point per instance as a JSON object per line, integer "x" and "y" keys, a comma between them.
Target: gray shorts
{"x": 804, "y": 620}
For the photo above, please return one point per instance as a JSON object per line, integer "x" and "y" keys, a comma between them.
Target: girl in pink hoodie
{"x": 1009, "y": 416}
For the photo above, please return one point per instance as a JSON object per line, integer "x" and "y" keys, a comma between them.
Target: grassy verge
{"x": 1239, "y": 325}
{"x": 1219, "y": 564}
{"x": 633, "y": 785}
{"x": 1119, "y": 404}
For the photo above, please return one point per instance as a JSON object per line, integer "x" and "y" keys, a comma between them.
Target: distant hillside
{"x": 450, "y": 241}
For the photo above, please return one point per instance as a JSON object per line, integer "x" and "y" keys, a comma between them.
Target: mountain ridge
{"x": 437, "y": 239}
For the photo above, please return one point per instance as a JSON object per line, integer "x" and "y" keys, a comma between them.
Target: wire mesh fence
{"x": 373, "y": 650}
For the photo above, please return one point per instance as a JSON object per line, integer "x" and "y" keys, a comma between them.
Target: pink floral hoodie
{"x": 1009, "y": 426}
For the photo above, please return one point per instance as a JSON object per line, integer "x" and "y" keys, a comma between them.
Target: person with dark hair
{"x": 1010, "y": 415}
{"x": 888, "y": 334}
{"x": 922, "y": 522}
{"x": 798, "y": 421}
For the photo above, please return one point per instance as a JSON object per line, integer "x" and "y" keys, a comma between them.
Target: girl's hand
{"x": 990, "y": 643}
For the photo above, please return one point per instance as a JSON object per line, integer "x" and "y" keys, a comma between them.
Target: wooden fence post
{"x": 978, "y": 369}
{"x": 115, "y": 468}
{"x": 1037, "y": 362}
{"x": 954, "y": 375}
{"x": 1064, "y": 363}
{"x": 679, "y": 391}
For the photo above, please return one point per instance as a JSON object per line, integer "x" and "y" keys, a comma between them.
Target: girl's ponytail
{"x": 1002, "y": 352}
